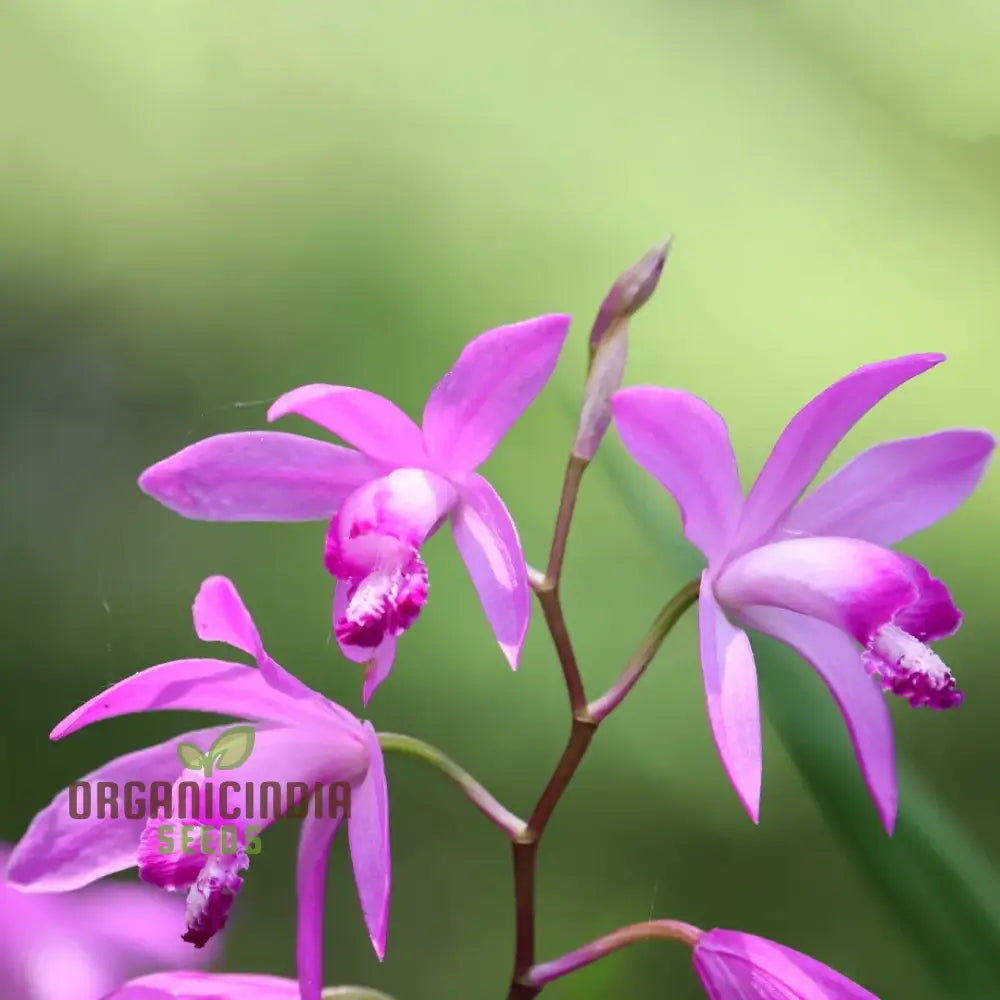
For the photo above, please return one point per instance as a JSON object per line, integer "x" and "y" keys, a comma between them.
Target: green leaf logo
{"x": 191, "y": 757}
{"x": 231, "y": 749}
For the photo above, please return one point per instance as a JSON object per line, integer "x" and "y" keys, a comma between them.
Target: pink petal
{"x": 178, "y": 869}
{"x": 489, "y": 545}
{"x": 135, "y": 920}
{"x": 734, "y": 965}
{"x": 683, "y": 443}
{"x": 136, "y": 991}
{"x": 314, "y": 853}
{"x": 257, "y": 476}
{"x": 402, "y": 508}
{"x": 933, "y": 614}
{"x": 309, "y": 754}
{"x": 852, "y": 584}
{"x": 198, "y": 685}
{"x": 378, "y": 659}
{"x": 494, "y": 380}
{"x": 61, "y": 968}
{"x": 211, "y": 985}
{"x": 731, "y": 693}
{"x": 221, "y": 616}
{"x": 370, "y": 422}
{"x": 812, "y": 434}
{"x": 59, "y": 852}
{"x": 380, "y": 662}
{"x": 368, "y": 834}
{"x": 895, "y": 489}
{"x": 838, "y": 661}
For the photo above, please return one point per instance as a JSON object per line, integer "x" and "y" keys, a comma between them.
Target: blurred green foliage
{"x": 207, "y": 203}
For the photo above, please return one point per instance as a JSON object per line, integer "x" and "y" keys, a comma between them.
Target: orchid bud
{"x": 609, "y": 346}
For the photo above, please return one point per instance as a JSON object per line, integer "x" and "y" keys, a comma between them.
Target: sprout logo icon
{"x": 230, "y": 749}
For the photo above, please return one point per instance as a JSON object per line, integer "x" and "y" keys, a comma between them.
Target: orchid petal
{"x": 734, "y": 965}
{"x": 731, "y": 694}
{"x": 812, "y": 434}
{"x": 221, "y": 616}
{"x": 933, "y": 614}
{"x": 201, "y": 685}
{"x": 59, "y": 852}
{"x": 368, "y": 834}
{"x": 487, "y": 540}
{"x": 838, "y": 661}
{"x": 141, "y": 922}
{"x": 257, "y": 476}
{"x": 370, "y": 422}
{"x": 494, "y": 380}
{"x": 895, "y": 489}
{"x": 314, "y": 853}
{"x": 178, "y": 869}
{"x": 380, "y": 662}
{"x": 683, "y": 443}
{"x": 186, "y": 985}
{"x": 307, "y": 756}
{"x": 378, "y": 659}
{"x": 45, "y": 971}
{"x": 852, "y": 584}
{"x": 136, "y": 991}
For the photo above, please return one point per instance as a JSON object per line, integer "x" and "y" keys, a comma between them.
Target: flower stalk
{"x": 606, "y": 367}
{"x": 498, "y": 814}
{"x": 649, "y": 930}
{"x": 648, "y": 648}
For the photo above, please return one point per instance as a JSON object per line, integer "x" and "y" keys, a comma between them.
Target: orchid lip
{"x": 212, "y": 896}
{"x": 910, "y": 669}
{"x": 852, "y": 584}
{"x": 374, "y": 546}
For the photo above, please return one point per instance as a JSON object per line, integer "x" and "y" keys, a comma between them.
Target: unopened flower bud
{"x": 629, "y": 293}
{"x": 609, "y": 346}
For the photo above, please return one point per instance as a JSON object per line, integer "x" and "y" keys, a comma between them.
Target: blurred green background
{"x": 204, "y": 204}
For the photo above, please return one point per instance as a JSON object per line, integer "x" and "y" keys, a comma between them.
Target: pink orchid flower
{"x": 79, "y": 945}
{"x": 206, "y": 986}
{"x": 387, "y": 497}
{"x": 300, "y": 736}
{"x": 737, "y": 966}
{"x": 816, "y": 573}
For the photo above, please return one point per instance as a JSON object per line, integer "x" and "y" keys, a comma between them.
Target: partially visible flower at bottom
{"x": 206, "y": 986}
{"x": 77, "y": 945}
{"x": 737, "y": 966}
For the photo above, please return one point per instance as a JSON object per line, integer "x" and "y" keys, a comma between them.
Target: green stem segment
{"x": 648, "y": 648}
{"x": 650, "y": 930}
{"x": 492, "y": 809}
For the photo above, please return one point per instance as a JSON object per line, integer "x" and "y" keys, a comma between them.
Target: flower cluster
{"x": 815, "y": 570}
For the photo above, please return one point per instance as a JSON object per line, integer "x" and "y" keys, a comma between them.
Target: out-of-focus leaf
{"x": 938, "y": 884}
